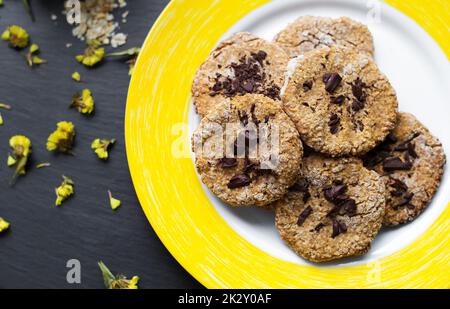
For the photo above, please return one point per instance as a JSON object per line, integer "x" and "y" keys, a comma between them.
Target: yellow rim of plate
{"x": 170, "y": 192}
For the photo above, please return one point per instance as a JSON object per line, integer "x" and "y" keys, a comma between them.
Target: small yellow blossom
{"x": 4, "y": 225}
{"x": 16, "y": 36}
{"x": 101, "y": 146}
{"x": 1, "y": 120}
{"x": 64, "y": 191}
{"x": 62, "y": 138}
{"x": 83, "y": 102}
{"x": 21, "y": 150}
{"x": 113, "y": 202}
{"x": 93, "y": 54}
{"x": 119, "y": 281}
{"x": 131, "y": 53}
{"x": 76, "y": 76}
{"x": 32, "y": 58}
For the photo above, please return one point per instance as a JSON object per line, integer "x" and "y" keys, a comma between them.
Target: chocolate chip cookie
{"x": 340, "y": 101}
{"x": 411, "y": 161}
{"x": 334, "y": 210}
{"x": 247, "y": 151}
{"x": 312, "y": 32}
{"x": 242, "y": 64}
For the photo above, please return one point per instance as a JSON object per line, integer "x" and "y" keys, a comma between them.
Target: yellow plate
{"x": 171, "y": 194}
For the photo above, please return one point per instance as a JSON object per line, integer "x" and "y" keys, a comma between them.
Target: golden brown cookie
{"x": 334, "y": 211}
{"x": 340, "y": 101}
{"x": 242, "y": 64}
{"x": 248, "y": 151}
{"x": 312, "y": 32}
{"x": 411, "y": 161}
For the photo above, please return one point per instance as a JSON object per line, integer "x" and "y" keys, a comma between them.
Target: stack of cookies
{"x": 309, "y": 127}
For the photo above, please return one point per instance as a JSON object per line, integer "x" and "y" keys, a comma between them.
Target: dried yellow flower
{"x": 83, "y": 102}
{"x": 21, "y": 150}
{"x": 131, "y": 53}
{"x": 119, "y": 281}
{"x": 4, "y": 225}
{"x": 1, "y": 2}
{"x": 16, "y": 36}
{"x": 64, "y": 191}
{"x": 1, "y": 120}
{"x": 101, "y": 146}
{"x": 62, "y": 138}
{"x": 76, "y": 76}
{"x": 32, "y": 58}
{"x": 113, "y": 202}
{"x": 5, "y": 106}
{"x": 93, "y": 54}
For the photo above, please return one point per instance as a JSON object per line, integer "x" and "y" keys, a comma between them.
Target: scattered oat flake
{"x": 96, "y": 20}
{"x": 68, "y": 45}
{"x": 53, "y": 17}
{"x": 118, "y": 39}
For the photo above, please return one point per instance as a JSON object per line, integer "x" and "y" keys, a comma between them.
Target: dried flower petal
{"x": 21, "y": 150}
{"x": 42, "y": 165}
{"x": 62, "y": 138}
{"x": 32, "y": 58}
{"x": 101, "y": 146}
{"x": 132, "y": 54}
{"x": 1, "y": 120}
{"x": 119, "y": 281}
{"x": 114, "y": 203}
{"x": 5, "y": 106}
{"x": 16, "y": 36}
{"x": 92, "y": 55}
{"x": 64, "y": 191}
{"x": 4, "y": 225}
{"x": 76, "y": 76}
{"x": 83, "y": 102}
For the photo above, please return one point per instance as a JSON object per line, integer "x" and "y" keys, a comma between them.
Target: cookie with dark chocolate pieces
{"x": 247, "y": 151}
{"x": 348, "y": 107}
{"x": 411, "y": 161}
{"x": 313, "y": 32}
{"x": 334, "y": 211}
{"x": 240, "y": 65}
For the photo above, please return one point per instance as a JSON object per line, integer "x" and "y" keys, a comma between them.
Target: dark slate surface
{"x": 33, "y": 254}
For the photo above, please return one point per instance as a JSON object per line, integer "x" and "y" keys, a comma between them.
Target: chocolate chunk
{"x": 249, "y": 166}
{"x": 338, "y": 100}
{"x": 333, "y": 81}
{"x": 307, "y": 85}
{"x": 391, "y": 138}
{"x": 407, "y": 198}
{"x": 399, "y": 186}
{"x": 334, "y": 123}
{"x": 228, "y": 162}
{"x": 248, "y": 86}
{"x": 273, "y": 92}
{"x": 239, "y": 181}
{"x": 326, "y": 77}
{"x": 336, "y": 190}
{"x": 394, "y": 164}
{"x": 319, "y": 226}
{"x": 338, "y": 228}
{"x": 412, "y": 150}
{"x": 357, "y": 105}
{"x": 304, "y": 215}
{"x": 348, "y": 207}
{"x": 358, "y": 90}
{"x": 259, "y": 56}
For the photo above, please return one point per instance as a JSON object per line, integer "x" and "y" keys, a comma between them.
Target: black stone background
{"x": 42, "y": 238}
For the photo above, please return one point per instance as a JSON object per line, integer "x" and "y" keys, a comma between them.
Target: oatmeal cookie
{"x": 312, "y": 32}
{"x": 411, "y": 161}
{"x": 242, "y": 64}
{"x": 334, "y": 210}
{"x": 247, "y": 151}
{"x": 340, "y": 102}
